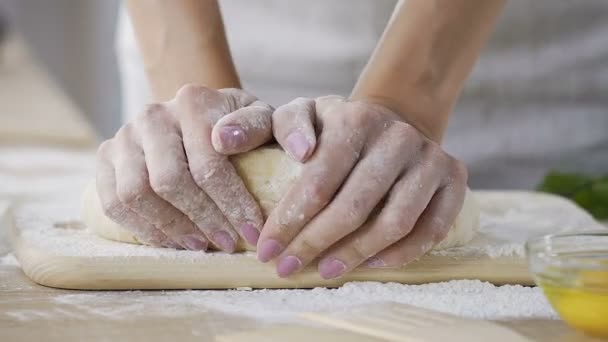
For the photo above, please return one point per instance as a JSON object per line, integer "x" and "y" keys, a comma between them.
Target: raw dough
{"x": 268, "y": 172}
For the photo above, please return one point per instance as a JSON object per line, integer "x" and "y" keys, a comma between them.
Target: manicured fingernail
{"x": 224, "y": 241}
{"x": 331, "y": 268}
{"x": 232, "y": 136}
{"x": 269, "y": 250}
{"x": 288, "y": 265}
{"x": 194, "y": 243}
{"x": 297, "y": 145}
{"x": 375, "y": 262}
{"x": 250, "y": 234}
{"x": 171, "y": 244}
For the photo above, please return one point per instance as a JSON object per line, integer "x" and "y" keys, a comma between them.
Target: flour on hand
{"x": 268, "y": 172}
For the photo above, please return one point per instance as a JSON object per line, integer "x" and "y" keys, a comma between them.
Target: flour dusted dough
{"x": 268, "y": 172}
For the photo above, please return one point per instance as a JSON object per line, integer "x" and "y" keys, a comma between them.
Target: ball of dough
{"x": 268, "y": 172}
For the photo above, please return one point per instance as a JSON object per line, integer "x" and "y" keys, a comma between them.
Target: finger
{"x": 293, "y": 127}
{"x": 171, "y": 180}
{"x": 432, "y": 228}
{"x": 238, "y": 98}
{"x": 338, "y": 149}
{"x": 212, "y": 171}
{"x": 113, "y": 208}
{"x": 406, "y": 202}
{"x": 365, "y": 187}
{"x": 243, "y": 130}
{"x": 135, "y": 190}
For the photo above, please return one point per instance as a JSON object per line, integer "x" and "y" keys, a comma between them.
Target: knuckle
{"x": 151, "y": 113}
{"x": 459, "y": 170}
{"x": 359, "y": 251}
{"x": 104, "y": 148}
{"x": 397, "y": 226}
{"x": 112, "y": 208}
{"x": 210, "y": 172}
{"x": 432, "y": 153}
{"x": 131, "y": 194}
{"x": 166, "y": 182}
{"x": 406, "y": 134}
{"x": 309, "y": 247}
{"x": 194, "y": 100}
{"x": 124, "y": 132}
{"x": 191, "y": 92}
{"x": 352, "y": 216}
{"x": 317, "y": 191}
{"x": 303, "y": 100}
{"x": 358, "y": 115}
{"x": 237, "y": 98}
{"x": 403, "y": 130}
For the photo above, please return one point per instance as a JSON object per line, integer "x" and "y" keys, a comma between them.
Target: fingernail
{"x": 288, "y": 265}
{"x": 269, "y": 250}
{"x": 250, "y": 234}
{"x": 232, "y": 136}
{"x": 171, "y": 244}
{"x": 297, "y": 145}
{"x": 331, "y": 268}
{"x": 224, "y": 241}
{"x": 375, "y": 262}
{"x": 194, "y": 243}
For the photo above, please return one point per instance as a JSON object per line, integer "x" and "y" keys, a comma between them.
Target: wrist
{"x": 424, "y": 110}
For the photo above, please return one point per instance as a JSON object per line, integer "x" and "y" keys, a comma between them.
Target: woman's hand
{"x": 166, "y": 177}
{"x": 367, "y": 163}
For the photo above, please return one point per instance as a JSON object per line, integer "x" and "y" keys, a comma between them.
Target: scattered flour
{"x": 9, "y": 260}
{"x": 502, "y": 233}
{"x": 509, "y": 219}
{"x": 506, "y": 222}
{"x": 468, "y": 298}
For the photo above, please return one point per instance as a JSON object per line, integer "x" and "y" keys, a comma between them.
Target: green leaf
{"x": 589, "y": 193}
{"x": 565, "y": 184}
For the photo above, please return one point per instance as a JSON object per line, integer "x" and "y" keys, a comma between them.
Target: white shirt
{"x": 536, "y": 100}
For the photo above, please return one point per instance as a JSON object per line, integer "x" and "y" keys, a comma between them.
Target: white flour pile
{"x": 469, "y": 298}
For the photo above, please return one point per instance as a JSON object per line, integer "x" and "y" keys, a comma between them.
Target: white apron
{"x": 536, "y": 100}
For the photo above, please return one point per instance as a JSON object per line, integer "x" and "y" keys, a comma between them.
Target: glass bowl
{"x": 572, "y": 270}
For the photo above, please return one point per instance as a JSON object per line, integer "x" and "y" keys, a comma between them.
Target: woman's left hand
{"x": 367, "y": 163}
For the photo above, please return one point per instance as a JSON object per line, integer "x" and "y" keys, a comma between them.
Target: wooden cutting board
{"x": 55, "y": 249}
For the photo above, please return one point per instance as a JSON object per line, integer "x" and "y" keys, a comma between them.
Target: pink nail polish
{"x": 269, "y": 250}
{"x": 171, "y": 244}
{"x": 375, "y": 262}
{"x": 194, "y": 243}
{"x": 250, "y": 234}
{"x": 297, "y": 145}
{"x": 224, "y": 241}
{"x": 331, "y": 268}
{"x": 232, "y": 136}
{"x": 288, "y": 265}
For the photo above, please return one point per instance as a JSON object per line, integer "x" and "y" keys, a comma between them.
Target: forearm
{"x": 182, "y": 41}
{"x": 424, "y": 56}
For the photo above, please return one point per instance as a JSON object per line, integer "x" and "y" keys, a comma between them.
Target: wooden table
{"x": 30, "y": 312}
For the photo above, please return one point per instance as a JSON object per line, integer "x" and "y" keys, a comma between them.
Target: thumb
{"x": 243, "y": 130}
{"x": 293, "y": 126}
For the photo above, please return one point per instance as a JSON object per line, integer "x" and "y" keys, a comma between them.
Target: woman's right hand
{"x": 166, "y": 176}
